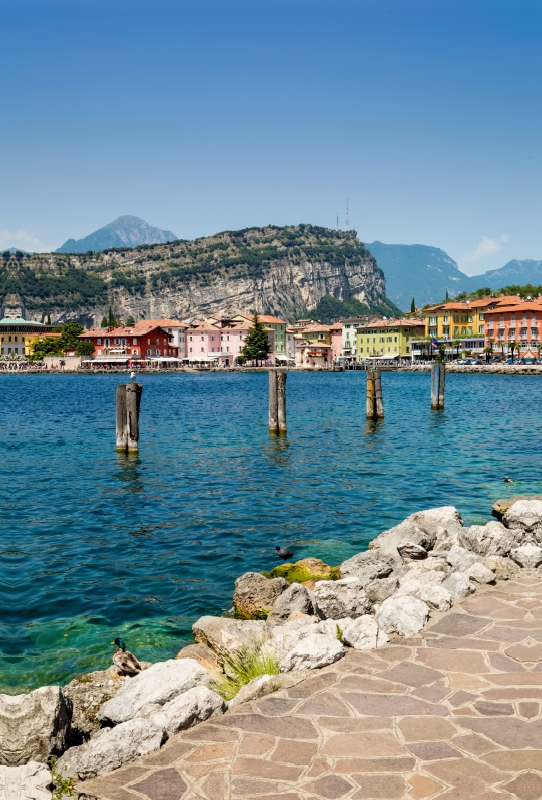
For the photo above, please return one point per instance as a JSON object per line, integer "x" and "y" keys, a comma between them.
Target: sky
{"x": 211, "y": 115}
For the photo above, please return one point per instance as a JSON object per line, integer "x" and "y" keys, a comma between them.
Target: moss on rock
{"x": 308, "y": 569}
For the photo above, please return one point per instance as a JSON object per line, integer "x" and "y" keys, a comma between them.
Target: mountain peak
{"x": 125, "y": 231}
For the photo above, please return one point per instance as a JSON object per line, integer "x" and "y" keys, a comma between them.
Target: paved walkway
{"x": 455, "y": 713}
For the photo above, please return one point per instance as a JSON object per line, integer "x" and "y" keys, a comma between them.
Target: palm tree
{"x": 539, "y": 349}
{"x": 512, "y": 346}
{"x": 457, "y": 344}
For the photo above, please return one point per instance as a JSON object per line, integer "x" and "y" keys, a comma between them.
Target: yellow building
{"x": 389, "y": 338}
{"x": 18, "y": 334}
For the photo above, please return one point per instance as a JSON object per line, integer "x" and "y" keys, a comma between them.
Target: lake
{"x": 95, "y": 545}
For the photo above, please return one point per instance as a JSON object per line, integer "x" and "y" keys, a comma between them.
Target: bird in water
{"x": 133, "y": 376}
{"x": 283, "y": 552}
{"x": 508, "y": 480}
{"x": 124, "y": 660}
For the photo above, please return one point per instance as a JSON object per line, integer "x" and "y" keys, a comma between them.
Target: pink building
{"x": 336, "y": 332}
{"x": 220, "y": 340}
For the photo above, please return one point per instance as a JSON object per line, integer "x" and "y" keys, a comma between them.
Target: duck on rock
{"x": 124, "y": 660}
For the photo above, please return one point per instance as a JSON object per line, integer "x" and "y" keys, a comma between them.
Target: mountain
{"x": 125, "y": 231}
{"x": 17, "y": 250}
{"x": 280, "y": 271}
{"x": 515, "y": 273}
{"x": 419, "y": 271}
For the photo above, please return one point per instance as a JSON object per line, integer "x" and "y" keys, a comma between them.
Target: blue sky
{"x": 205, "y": 116}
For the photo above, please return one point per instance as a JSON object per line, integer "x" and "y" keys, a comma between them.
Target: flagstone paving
{"x": 454, "y": 713}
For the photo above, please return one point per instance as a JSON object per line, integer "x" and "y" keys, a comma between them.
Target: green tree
{"x": 84, "y": 348}
{"x": 104, "y": 322}
{"x": 457, "y": 345}
{"x": 130, "y": 321}
{"x": 70, "y": 334}
{"x": 513, "y": 346}
{"x": 48, "y": 319}
{"x": 447, "y": 298}
{"x": 111, "y": 318}
{"x": 441, "y": 353}
{"x": 256, "y": 347}
{"x": 413, "y": 307}
{"x": 45, "y": 347}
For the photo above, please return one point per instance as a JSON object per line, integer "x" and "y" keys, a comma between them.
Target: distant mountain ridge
{"x": 125, "y": 231}
{"x": 418, "y": 271}
{"x": 513, "y": 273}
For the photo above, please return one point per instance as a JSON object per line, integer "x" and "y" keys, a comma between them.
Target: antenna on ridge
{"x": 337, "y": 228}
{"x": 347, "y": 228}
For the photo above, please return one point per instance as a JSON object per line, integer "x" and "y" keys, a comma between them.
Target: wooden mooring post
{"x": 438, "y": 379}
{"x": 374, "y": 402}
{"x": 128, "y": 404}
{"x": 277, "y": 402}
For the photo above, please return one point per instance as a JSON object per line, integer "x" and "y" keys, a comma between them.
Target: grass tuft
{"x": 63, "y": 783}
{"x": 241, "y": 668}
{"x": 294, "y": 573}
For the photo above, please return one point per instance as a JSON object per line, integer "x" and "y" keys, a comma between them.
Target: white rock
{"x": 294, "y": 603}
{"x": 380, "y": 588}
{"x": 504, "y": 568}
{"x": 435, "y": 595}
{"x": 284, "y": 638}
{"x": 403, "y": 615}
{"x": 421, "y": 529}
{"x": 423, "y": 576}
{"x": 189, "y": 708}
{"x": 159, "y": 684}
{"x": 313, "y": 652}
{"x": 525, "y": 515}
{"x": 332, "y": 627}
{"x": 369, "y": 566}
{"x": 342, "y": 598}
{"x": 485, "y": 540}
{"x": 527, "y": 555}
{"x": 460, "y": 558}
{"x": 33, "y": 726}
{"x": 223, "y": 634}
{"x": 458, "y": 585}
{"x": 258, "y": 687}
{"x": 363, "y": 633}
{"x": 480, "y": 574}
{"x": 119, "y": 745}
{"x": 27, "y": 782}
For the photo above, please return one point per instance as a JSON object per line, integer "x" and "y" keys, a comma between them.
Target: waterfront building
{"x": 220, "y": 340}
{"x": 271, "y": 323}
{"x": 146, "y": 340}
{"x": 461, "y": 326}
{"x": 336, "y": 335}
{"x": 389, "y": 338}
{"x": 313, "y": 346}
{"x": 177, "y": 331}
{"x": 18, "y": 334}
{"x": 519, "y": 323}
{"x": 349, "y": 334}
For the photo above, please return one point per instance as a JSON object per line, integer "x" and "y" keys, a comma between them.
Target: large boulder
{"x": 503, "y": 568}
{"x": 189, "y": 708}
{"x": 461, "y": 559}
{"x": 459, "y": 585}
{"x": 527, "y": 555}
{"x": 33, "y": 726}
{"x": 201, "y": 653}
{"x": 226, "y": 635}
{"x": 363, "y": 633}
{"x": 480, "y": 574}
{"x": 254, "y": 594}
{"x": 369, "y": 566}
{"x": 120, "y": 745}
{"x": 284, "y": 638}
{"x": 28, "y": 782}
{"x": 159, "y": 684}
{"x": 435, "y": 595}
{"x": 422, "y": 529}
{"x": 294, "y": 603}
{"x": 492, "y": 539}
{"x": 257, "y": 687}
{"x": 88, "y": 693}
{"x": 381, "y": 588}
{"x": 343, "y": 598}
{"x": 313, "y": 652}
{"x": 403, "y": 615}
{"x": 525, "y": 515}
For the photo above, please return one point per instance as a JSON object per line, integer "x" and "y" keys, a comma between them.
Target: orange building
{"x": 517, "y": 322}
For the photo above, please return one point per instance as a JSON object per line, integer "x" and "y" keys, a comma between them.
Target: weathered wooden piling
{"x": 281, "y": 402}
{"x": 273, "y": 402}
{"x": 128, "y": 404}
{"x": 122, "y": 433}
{"x": 434, "y": 386}
{"x": 379, "y": 400}
{"x": 374, "y": 402}
{"x": 441, "y": 382}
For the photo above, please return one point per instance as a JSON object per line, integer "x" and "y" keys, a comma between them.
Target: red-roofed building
{"x": 127, "y": 344}
{"x": 219, "y": 341}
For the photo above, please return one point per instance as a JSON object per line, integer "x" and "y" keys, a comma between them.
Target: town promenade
{"x": 454, "y": 712}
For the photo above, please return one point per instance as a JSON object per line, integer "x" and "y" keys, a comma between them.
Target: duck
{"x": 508, "y": 480}
{"x": 124, "y": 660}
{"x": 283, "y": 552}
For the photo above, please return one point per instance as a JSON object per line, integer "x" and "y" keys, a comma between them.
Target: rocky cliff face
{"x": 282, "y": 271}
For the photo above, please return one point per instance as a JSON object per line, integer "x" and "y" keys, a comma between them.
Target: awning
{"x": 383, "y": 358}
{"x": 207, "y": 358}
{"x": 164, "y": 358}
{"x": 106, "y": 360}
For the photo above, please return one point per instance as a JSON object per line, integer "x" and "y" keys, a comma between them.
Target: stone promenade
{"x": 455, "y": 713}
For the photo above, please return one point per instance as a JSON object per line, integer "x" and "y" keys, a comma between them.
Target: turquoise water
{"x": 94, "y": 545}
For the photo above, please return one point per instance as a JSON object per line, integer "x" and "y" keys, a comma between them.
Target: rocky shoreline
{"x": 296, "y": 619}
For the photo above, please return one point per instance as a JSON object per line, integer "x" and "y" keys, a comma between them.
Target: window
{"x": 202, "y": 349}
{"x": 456, "y": 317}
{"x": 445, "y": 318}
{"x": 480, "y": 328}
{"x": 134, "y": 352}
{"x": 395, "y": 338}
{"x": 157, "y": 352}
{"x": 481, "y": 316}
{"x": 99, "y": 341}
{"x": 149, "y": 341}
{"x": 190, "y": 339}
{"x": 212, "y": 338}
{"x": 190, "y": 349}
{"x": 149, "y": 352}
{"x": 203, "y": 338}
{"x": 408, "y": 349}
{"x": 134, "y": 341}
